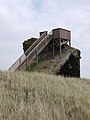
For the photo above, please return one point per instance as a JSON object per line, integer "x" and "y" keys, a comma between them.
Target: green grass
{"x": 32, "y": 68}
{"x": 38, "y": 96}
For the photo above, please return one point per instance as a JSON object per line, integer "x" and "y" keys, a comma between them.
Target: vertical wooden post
{"x": 26, "y": 62}
{"x": 37, "y": 56}
{"x": 41, "y": 56}
{"x": 70, "y": 43}
{"x": 47, "y": 52}
{"x": 60, "y": 45}
{"x": 70, "y": 38}
{"x": 53, "y": 49}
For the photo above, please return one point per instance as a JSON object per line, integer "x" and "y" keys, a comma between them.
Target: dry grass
{"x": 33, "y": 96}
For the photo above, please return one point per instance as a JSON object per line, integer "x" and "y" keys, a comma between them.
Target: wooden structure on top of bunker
{"x": 51, "y": 53}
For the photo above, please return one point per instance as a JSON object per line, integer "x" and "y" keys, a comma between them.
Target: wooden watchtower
{"x": 61, "y": 36}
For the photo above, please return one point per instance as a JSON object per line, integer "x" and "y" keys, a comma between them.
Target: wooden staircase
{"x": 26, "y": 59}
{"x": 35, "y": 49}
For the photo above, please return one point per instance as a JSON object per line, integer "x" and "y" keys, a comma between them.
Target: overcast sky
{"x": 22, "y": 19}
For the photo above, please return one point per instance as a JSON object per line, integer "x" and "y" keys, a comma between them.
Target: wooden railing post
{"x": 60, "y": 46}
{"x": 37, "y": 56}
{"x": 53, "y": 49}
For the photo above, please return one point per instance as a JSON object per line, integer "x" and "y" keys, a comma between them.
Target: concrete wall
{"x": 72, "y": 66}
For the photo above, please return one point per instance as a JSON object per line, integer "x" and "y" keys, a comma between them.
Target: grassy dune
{"x": 33, "y": 96}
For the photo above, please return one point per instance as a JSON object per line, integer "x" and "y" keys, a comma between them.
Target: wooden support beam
{"x": 26, "y": 62}
{"x": 41, "y": 54}
{"x": 60, "y": 46}
{"x": 37, "y": 56}
{"x": 70, "y": 43}
{"x": 53, "y": 49}
{"x": 47, "y": 55}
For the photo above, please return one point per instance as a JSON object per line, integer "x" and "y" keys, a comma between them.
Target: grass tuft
{"x": 38, "y": 96}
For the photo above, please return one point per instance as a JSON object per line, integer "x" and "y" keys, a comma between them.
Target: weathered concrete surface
{"x": 67, "y": 65}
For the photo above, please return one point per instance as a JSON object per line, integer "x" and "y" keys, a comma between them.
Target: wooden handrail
{"x": 23, "y": 57}
{"x": 27, "y": 58}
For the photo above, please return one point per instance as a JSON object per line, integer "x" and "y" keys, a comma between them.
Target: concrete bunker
{"x": 52, "y": 53}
